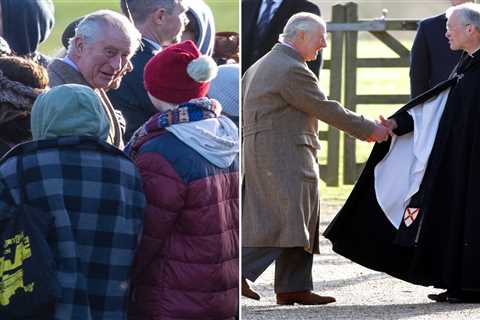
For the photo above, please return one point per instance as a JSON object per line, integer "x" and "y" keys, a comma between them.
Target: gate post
{"x": 350, "y": 162}
{"x": 335, "y": 93}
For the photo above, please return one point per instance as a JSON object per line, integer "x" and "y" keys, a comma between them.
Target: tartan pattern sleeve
{"x": 97, "y": 202}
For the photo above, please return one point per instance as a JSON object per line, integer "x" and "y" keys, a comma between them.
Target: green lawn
{"x": 226, "y": 14}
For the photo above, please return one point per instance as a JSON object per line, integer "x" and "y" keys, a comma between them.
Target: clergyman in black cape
{"x": 435, "y": 240}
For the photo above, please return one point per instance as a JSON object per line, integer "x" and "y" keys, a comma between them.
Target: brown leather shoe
{"x": 247, "y": 292}
{"x": 302, "y": 297}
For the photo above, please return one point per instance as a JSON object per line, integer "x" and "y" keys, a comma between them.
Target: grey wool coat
{"x": 61, "y": 73}
{"x": 282, "y": 103}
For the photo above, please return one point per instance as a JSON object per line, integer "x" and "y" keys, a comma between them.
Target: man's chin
{"x": 453, "y": 47}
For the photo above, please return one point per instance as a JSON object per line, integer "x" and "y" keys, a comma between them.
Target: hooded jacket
{"x": 92, "y": 191}
{"x": 205, "y": 23}
{"x": 187, "y": 263}
{"x": 26, "y": 24}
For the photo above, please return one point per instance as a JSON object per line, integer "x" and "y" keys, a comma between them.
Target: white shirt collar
{"x": 154, "y": 44}
{"x": 69, "y": 61}
{"x": 285, "y": 43}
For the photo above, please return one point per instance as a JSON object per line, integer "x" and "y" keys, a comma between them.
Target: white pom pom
{"x": 202, "y": 69}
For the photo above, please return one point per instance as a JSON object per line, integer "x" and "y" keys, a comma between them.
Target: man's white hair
{"x": 302, "y": 21}
{"x": 91, "y": 28}
{"x": 469, "y": 13}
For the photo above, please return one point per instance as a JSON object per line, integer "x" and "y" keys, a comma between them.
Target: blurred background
{"x": 226, "y": 13}
{"x": 396, "y": 8}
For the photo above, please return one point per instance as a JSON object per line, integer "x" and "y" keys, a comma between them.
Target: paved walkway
{"x": 361, "y": 293}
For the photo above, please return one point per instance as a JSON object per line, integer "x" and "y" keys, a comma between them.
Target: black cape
{"x": 445, "y": 252}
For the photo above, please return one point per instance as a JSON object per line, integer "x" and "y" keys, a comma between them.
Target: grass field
{"x": 226, "y": 14}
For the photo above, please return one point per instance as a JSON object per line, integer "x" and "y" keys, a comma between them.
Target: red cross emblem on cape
{"x": 410, "y": 216}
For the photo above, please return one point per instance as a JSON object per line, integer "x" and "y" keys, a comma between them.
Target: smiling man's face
{"x": 101, "y": 61}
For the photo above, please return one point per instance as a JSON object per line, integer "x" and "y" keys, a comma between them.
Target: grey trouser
{"x": 293, "y": 267}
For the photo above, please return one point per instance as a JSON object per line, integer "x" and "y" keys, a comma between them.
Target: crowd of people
{"x": 121, "y": 143}
{"x": 119, "y": 176}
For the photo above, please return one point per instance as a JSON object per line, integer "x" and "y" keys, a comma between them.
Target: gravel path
{"x": 361, "y": 293}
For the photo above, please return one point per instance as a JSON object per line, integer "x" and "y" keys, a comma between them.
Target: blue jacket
{"x": 131, "y": 98}
{"x": 94, "y": 193}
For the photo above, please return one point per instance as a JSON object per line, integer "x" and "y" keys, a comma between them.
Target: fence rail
{"x": 343, "y": 65}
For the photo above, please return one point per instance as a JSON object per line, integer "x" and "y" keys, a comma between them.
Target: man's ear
{"x": 158, "y": 16}
{"x": 471, "y": 28}
{"x": 78, "y": 45}
{"x": 301, "y": 34}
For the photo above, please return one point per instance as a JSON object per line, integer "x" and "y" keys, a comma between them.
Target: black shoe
{"x": 448, "y": 296}
{"x": 441, "y": 297}
{"x": 465, "y": 297}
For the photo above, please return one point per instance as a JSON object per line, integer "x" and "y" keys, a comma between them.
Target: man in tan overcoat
{"x": 282, "y": 103}
{"x": 98, "y": 56}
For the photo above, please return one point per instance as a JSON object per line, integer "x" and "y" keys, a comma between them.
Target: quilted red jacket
{"x": 187, "y": 263}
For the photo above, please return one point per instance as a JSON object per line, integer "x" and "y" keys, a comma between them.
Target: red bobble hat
{"x": 179, "y": 73}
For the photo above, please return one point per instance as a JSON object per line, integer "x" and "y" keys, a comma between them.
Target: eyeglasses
{"x": 450, "y": 28}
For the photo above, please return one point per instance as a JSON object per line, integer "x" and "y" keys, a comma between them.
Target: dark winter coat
{"x": 445, "y": 252}
{"x": 187, "y": 262}
{"x": 93, "y": 191}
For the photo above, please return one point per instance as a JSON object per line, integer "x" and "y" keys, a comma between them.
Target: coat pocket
{"x": 307, "y": 146}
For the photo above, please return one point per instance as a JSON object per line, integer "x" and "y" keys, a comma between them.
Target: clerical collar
{"x": 474, "y": 53}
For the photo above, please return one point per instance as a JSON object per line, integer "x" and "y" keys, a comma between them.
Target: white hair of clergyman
{"x": 302, "y": 21}
{"x": 469, "y": 13}
{"x": 91, "y": 28}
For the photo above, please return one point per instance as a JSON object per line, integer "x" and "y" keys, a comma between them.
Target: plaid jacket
{"x": 94, "y": 193}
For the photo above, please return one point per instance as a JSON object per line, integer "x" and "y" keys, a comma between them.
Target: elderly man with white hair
{"x": 98, "y": 56}
{"x": 282, "y": 103}
{"x": 415, "y": 211}
{"x": 431, "y": 61}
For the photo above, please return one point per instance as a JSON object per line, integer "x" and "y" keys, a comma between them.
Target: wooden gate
{"x": 344, "y": 28}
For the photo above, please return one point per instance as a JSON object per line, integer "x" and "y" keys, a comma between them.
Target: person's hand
{"x": 391, "y": 124}
{"x": 380, "y": 133}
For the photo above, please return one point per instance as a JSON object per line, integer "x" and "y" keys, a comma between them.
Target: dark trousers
{"x": 293, "y": 267}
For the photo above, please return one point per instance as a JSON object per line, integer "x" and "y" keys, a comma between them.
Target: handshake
{"x": 383, "y": 129}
